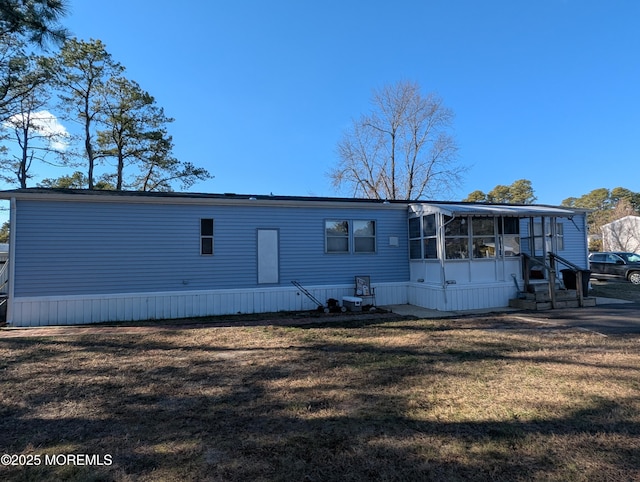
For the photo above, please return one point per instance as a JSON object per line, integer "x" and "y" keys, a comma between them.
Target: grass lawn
{"x": 620, "y": 289}
{"x": 460, "y": 399}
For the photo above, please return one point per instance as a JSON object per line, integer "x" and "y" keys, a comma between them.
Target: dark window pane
{"x": 207, "y": 245}
{"x": 414, "y": 227}
{"x": 365, "y": 245}
{"x": 456, "y": 248}
{"x": 511, "y": 226}
{"x": 337, "y": 245}
{"x": 482, "y": 226}
{"x": 456, "y": 226}
{"x": 430, "y": 248}
{"x": 206, "y": 227}
{"x": 414, "y": 249}
{"x": 429, "y": 225}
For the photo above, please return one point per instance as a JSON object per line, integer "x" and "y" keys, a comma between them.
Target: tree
{"x": 77, "y": 180}
{"x": 35, "y": 20}
{"x": 23, "y": 23}
{"x": 4, "y": 232}
{"x": 621, "y": 194}
{"x": 81, "y": 71}
{"x": 476, "y": 196}
{"x": 605, "y": 205}
{"x": 160, "y": 169}
{"x": 128, "y": 110}
{"x": 519, "y": 192}
{"x": 136, "y": 136}
{"x": 402, "y": 149}
{"x": 35, "y": 131}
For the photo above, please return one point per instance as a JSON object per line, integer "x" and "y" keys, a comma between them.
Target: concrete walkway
{"x": 609, "y": 316}
{"x": 419, "y": 312}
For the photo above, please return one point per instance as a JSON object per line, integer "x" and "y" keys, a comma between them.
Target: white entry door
{"x": 268, "y": 256}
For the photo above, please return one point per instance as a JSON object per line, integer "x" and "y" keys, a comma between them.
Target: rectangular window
{"x": 429, "y": 236}
{"x": 484, "y": 238}
{"x": 509, "y": 230}
{"x": 364, "y": 236}
{"x": 538, "y": 238}
{"x": 456, "y": 241}
{"x": 337, "y": 236}
{"x": 422, "y": 237}
{"x": 560, "y": 236}
{"x": 415, "y": 240}
{"x": 206, "y": 236}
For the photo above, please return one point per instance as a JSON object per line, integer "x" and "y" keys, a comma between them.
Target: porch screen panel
{"x": 509, "y": 229}
{"x": 484, "y": 237}
{"x": 415, "y": 240}
{"x": 456, "y": 241}
{"x": 429, "y": 233}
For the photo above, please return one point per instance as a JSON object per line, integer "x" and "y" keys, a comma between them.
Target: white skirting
{"x": 461, "y": 297}
{"x": 84, "y": 309}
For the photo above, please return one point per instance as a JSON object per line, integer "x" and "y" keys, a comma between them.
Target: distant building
{"x": 622, "y": 235}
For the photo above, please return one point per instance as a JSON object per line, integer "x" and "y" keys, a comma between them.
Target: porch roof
{"x": 515, "y": 210}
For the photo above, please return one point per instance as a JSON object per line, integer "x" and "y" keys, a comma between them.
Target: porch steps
{"x": 538, "y": 299}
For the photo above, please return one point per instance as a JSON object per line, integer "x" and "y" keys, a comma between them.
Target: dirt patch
{"x": 156, "y": 326}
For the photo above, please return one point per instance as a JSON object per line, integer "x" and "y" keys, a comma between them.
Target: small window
{"x": 364, "y": 236}
{"x": 206, "y": 236}
{"x": 429, "y": 233}
{"x": 415, "y": 241}
{"x": 337, "y": 236}
{"x": 560, "y": 236}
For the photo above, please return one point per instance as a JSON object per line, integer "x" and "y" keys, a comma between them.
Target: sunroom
{"x": 468, "y": 256}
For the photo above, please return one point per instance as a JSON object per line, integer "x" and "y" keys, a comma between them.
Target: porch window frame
{"x": 456, "y": 237}
{"x": 483, "y": 236}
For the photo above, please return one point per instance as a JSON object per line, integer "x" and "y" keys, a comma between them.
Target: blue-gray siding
{"x": 92, "y": 247}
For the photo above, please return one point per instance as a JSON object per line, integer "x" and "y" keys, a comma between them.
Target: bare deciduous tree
{"x": 402, "y": 149}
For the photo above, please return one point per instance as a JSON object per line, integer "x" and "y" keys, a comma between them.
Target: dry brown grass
{"x": 459, "y": 399}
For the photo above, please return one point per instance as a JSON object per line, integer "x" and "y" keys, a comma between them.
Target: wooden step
{"x": 536, "y": 305}
{"x": 561, "y": 295}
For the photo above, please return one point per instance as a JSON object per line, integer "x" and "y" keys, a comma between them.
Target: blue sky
{"x": 546, "y": 90}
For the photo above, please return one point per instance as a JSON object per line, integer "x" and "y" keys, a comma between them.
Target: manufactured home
{"x": 622, "y": 235}
{"x": 80, "y": 256}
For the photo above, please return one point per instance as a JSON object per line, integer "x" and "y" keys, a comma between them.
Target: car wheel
{"x": 634, "y": 277}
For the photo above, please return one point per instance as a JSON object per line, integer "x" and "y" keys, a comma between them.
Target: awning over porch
{"x": 520, "y": 211}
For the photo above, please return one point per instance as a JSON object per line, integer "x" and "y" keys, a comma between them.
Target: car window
{"x": 612, "y": 258}
{"x": 598, "y": 258}
{"x": 632, "y": 257}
